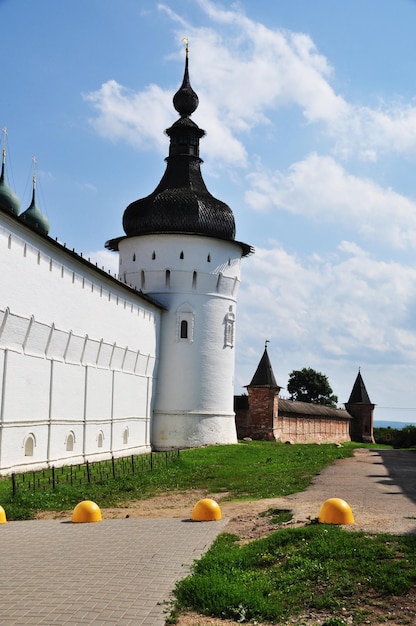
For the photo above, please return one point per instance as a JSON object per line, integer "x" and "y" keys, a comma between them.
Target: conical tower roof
{"x": 264, "y": 376}
{"x": 181, "y": 203}
{"x": 359, "y": 393}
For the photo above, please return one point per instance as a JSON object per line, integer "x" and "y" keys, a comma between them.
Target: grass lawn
{"x": 317, "y": 567}
{"x": 252, "y": 470}
{"x": 295, "y": 570}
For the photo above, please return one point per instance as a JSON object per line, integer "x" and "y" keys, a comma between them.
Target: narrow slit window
{"x": 194, "y": 279}
{"x": 153, "y": 255}
{"x": 181, "y": 256}
{"x": 184, "y": 329}
{"x": 219, "y": 281}
{"x": 167, "y": 279}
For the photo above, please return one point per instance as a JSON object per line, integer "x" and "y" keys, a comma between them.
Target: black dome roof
{"x": 181, "y": 203}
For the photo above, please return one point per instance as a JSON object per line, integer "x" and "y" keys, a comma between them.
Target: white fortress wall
{"x": 79, "y": 355}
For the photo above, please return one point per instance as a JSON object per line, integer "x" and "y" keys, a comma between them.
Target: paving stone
{"x": 116, "y": 572}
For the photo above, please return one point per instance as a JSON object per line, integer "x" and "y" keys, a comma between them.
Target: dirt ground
{"x": 372, "y": 484}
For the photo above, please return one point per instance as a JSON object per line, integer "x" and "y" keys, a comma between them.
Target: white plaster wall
{"x": 26, "y": 390}
{"x": 68, "y": 407}
{"x": 73, "y": 345}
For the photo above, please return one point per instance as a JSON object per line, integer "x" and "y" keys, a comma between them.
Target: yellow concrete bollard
{"x": 3, "y": 518}
{"x": 86, "y": 511}
{"x": 206, "y": 510}
{"x": 335, "y": 511}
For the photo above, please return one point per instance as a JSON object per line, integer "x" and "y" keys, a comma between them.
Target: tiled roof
{"x": 289, "y": 407}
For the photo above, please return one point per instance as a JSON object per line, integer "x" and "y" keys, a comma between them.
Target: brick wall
{"x": 259, "y": 416}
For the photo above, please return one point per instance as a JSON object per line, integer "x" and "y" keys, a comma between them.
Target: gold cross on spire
{"x": 185, "y": 41}
{"x": 35, "y": 162}
{"x": 3, "y": 152}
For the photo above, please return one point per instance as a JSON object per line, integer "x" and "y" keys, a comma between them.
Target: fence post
{"x": 53, "y": 478}
{"x": 13, "y": 484}
{"x": 113, "y": 466}
{"x": 132, "y": 464}
{"x": 88, "y": 472}
{"x": 151, "y": 460}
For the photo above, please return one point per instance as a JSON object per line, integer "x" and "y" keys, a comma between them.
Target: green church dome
{"x": 8, "y": 199}
{"x": 34, "y": 217}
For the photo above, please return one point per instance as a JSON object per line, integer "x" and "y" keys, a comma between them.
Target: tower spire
{"x": 264, "y": 376}
{"x": 185, "y": 99}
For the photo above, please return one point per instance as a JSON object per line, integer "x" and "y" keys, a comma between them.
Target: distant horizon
{"x": 392, "y": 423}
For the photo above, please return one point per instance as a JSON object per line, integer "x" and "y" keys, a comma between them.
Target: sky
{"x": 310, "y": 113}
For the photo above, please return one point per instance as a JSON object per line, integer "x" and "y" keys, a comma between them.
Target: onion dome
{"x": 181, "y": 203}
{"x": 34, "y": 217}
{"x": 8, "y": 200}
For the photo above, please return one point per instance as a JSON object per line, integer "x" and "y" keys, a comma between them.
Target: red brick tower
{"x": 263, "y": 400}
{"x": 360, "y": 407}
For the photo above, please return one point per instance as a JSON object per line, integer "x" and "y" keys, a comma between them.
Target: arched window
{"x": 100, "y": 439}
{"x": 194, "y": 277}
{"x": 181, "y": 255}
{"x": 29, "y": 445}
{"x": 185, "y": 319}
{"x": 167, "y": 279}
{"x": 70, "y": 442}
{"x": 184, "y": 329}
{"x": 134, "y": 257}
{"x": 153, "y": 255}
{"x": 209, "y": 258}
{"x": 126, "y": 436}
{"x": 143, "y": 279}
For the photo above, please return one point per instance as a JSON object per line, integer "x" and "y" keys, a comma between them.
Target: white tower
{"x": 180, "y": 249}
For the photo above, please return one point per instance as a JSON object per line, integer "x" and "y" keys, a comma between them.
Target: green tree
{"x": 308, "y": 385}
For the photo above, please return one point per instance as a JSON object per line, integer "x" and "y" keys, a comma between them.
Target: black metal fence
{"x": 87, "y": 473}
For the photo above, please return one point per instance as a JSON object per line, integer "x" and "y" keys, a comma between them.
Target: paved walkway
{"x": 115, "y": 572}
{"x": 122, "y": 571}
{"x": 379, "y": 485}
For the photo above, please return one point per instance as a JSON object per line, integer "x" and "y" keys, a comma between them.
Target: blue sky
{"x": 310, "y": 113}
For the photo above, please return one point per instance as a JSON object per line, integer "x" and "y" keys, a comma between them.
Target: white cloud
{"x": 347, "y": 306}
{"x": 319, "y": 188}
{"x": 105, "y": 259}
{"x": 367, "y": 133}
{"x": 132, "y": 117}
{"x": 243, "y": 72}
